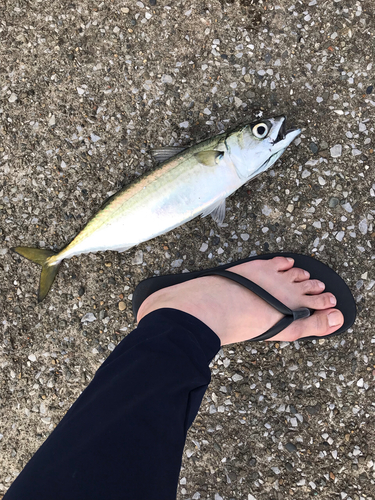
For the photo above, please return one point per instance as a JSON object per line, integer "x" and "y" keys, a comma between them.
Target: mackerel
{"x": 188, "y": 182}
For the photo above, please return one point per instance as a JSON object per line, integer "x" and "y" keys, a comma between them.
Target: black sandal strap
{"x": 289, "y": 314}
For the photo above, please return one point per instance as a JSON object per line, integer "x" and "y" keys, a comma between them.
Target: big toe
{"x": 319, "y": 324}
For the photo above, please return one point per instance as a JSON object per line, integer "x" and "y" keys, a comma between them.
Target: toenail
{"x": 306, "y": 273}
{"x": 334, "y": 318}
{"x": 290, "y": 259}
{"x": 333, "y": 300}
{"x": 321, "y": 285}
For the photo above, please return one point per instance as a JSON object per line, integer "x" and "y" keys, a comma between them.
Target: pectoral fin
{"x": 217, "y": 211}
{"x": 209, "y": 158}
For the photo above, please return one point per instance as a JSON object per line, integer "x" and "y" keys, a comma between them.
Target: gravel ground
{"x": 86, "y": 89}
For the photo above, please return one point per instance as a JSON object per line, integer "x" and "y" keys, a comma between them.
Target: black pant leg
{"x": 123, "y": 438}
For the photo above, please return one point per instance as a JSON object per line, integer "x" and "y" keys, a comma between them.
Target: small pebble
{"x": 237, "y": 102}
{"x": 347, "y": 207}
{"x": 359, "y": 284}
{"x": 314, "y": 147}
{"x": 336, "y": 151}
{"x": 340, "y": 235}
{"x": 89, "y": 317}
{"x": 363, "y": 226}
{"x": 122, "y": 306}
{"x": 266, "y": 210}
{"x": 333, "y": 202}
{"x": 291, "y": 447}
{"x": 177, "y": 263}
{"x": 94, "y": 138}
{"x": 305, "y": 174}
{"x": 369, "y": 89}
{"x": 138, "y": 258}
{"x": 362, "y": 127}
{"x": 290, "y": 208}
{"x": 166, "y": 79}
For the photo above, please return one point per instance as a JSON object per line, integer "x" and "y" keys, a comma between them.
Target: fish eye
{"x": 260, "y": 130}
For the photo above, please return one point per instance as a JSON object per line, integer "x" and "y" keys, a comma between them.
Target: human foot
{"x": 236, "y": 314}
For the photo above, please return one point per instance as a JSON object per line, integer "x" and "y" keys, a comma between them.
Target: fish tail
{"x": 50, "y": 265}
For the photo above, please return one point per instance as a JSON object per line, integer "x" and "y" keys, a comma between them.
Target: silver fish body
{"x": 194, "y": 182}
{"x": 183, "y": 187}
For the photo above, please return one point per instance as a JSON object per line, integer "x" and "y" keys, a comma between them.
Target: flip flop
{"x": 333, "y": 282}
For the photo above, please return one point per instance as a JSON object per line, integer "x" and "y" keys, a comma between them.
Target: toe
{"x": 320, "y": 324}
{"x": 297, "y": 275}
{"x": 319, "y": 302}
{"x": 311, "y": 287}
{"x": 282, "y": 263}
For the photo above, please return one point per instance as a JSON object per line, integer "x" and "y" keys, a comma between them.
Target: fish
{"x": 187, "y": 183}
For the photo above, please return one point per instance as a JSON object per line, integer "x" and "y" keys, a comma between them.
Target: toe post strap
{"x": 301, "y": 313}
{"x": 287, "y": 320}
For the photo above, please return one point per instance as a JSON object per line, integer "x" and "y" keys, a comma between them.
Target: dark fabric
{"x": 123, "y": 438}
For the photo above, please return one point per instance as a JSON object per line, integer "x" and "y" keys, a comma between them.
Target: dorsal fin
{"x": 163, "y": 154}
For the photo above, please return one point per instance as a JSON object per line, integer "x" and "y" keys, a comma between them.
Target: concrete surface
{"x": 86, "y": 89}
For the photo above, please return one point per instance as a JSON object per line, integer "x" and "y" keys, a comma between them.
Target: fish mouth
{"x": 283, "y": 132}
{"x": 281, "y": 137}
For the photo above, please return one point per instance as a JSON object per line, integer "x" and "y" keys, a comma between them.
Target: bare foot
{"x": 236, "y": 314}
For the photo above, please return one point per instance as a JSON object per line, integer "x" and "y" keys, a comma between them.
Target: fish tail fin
{"x": 50, "y": 266}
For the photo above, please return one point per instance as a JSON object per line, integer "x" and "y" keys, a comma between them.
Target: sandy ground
{"x": 86, "y": 89}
